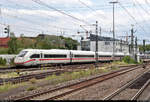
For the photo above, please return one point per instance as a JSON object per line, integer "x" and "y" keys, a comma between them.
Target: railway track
{"x": 57, "y": 69}
{"x": 66, "y": 90}
{"x": 44, "y": 73}
{"x": 22, "y": 69}
{"x": 143, "y": 93}
{"x": 132, "y": 90}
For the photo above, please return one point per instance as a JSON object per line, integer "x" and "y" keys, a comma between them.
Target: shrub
{"x": 129, "y": 60}
{"x": 33, "y": 81}
{"x": 51, "y": 77}
{"x": 2, "y": 61}
{"x": 31, "y": 88}
{"x": 12, "y": 61}
{"x": 114, "y": 67}
{"x": 3, "y": 50}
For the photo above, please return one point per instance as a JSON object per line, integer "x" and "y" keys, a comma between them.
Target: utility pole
{"x": 136, "y": 49}
{"x": 144, "y": 47}
{"x": 121, "y": 45}
{"x": 100, "y": 31}
{"x": 96, "y": 44}
{"x": 132, "y": 42}
{"x": 113, "y": 3}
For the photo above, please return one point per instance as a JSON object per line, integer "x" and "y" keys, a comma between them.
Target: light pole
{"x": 96, "y": 44}
{"x": 113, "y": 2}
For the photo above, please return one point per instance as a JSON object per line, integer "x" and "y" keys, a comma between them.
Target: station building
{"x": 105, "y": 44}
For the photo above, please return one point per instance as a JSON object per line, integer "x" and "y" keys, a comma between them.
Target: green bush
{"x": 33, "y": 81}
{"x": 2, "y": 61}
{"x": 12, "y": 61}
{"x": 31, "y": 88}
{"x": 3, "y": 50}
{"x": 129, "y": 60}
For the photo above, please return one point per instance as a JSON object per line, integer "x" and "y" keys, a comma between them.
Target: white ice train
{"x": 32, "y": 57}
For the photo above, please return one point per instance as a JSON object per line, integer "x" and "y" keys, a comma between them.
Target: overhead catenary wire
{"x": 142, "y": 7}
{"x": 44, "y": 4}
{"x": 34, "y": 22}
{"x": 28, "y": 20}
{"x": 142, "y": 17}
{"x": 91, "y": 8}
{"x": 54, "y": 26}
{"x": 131, "y": 16}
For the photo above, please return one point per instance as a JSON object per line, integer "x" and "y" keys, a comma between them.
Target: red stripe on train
{"x": 61, "y": 59}
{"x": 26, "y": 61}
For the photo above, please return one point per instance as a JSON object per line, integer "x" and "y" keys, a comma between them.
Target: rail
{"x": 80, "y": 85}
{"x": 118, "y": 91}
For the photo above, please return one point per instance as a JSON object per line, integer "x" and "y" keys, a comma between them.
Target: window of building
{"x": 107, "y": 43}
{"x": 54, "y": 56}
{"x": 85, "y": 56}
{"x": 35, "y": 56}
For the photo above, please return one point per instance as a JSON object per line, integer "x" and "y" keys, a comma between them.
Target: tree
{"x": 12, "y": 46}
{"x": 141, "y": 48}
{"x": 70, "y": 43}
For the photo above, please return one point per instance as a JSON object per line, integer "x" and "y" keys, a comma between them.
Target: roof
{"x": 4, "y": 42}
{"x": 100, "y": 38}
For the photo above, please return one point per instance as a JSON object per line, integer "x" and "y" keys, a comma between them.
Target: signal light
{"x": 6, "y": 29}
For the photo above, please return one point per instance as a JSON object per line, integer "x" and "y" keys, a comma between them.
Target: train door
{"x": 71, "y": 56}
{"x": 41, "y": 57}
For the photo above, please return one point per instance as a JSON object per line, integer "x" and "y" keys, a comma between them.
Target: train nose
{"x": 18, "y": 60}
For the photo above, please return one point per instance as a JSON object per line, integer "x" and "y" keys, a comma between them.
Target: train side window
{"x": 86, "y": 56}
{"x": 54, "y": 56}
{"x": 35, "y": 56}
{"x": 104, "y": 56}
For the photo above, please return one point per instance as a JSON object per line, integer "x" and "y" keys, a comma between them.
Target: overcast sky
{"x": 30, "y": 18}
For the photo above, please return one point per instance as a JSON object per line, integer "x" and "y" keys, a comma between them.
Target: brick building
{"x": 4, "y": 42}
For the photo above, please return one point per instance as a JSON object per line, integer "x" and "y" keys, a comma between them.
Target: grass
{"x": 84, "y": 73}
{"x": 74, "y": 75}
{"x": 116, "y": 64}
{"x": 33, "y": 81}
{"x": 8, "y": 86}
{"x": 31, "y": 88}
{"x": 9, "y": 75}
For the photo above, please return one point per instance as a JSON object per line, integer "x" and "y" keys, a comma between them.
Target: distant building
{"x": 105, "y": 44}
{"x": 4, "y": 42}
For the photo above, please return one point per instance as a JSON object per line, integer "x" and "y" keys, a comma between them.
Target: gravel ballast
{"x": 95, "y": 92}
{"x": 103, "y": 89}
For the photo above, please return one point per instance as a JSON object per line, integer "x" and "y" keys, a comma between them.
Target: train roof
{"x": 119, "y": 53}
{"x": 64, "y": 51}
{"x": 105, "y": 53}
{"x": 82, "y": 52}
{"x": 53, "y": 51}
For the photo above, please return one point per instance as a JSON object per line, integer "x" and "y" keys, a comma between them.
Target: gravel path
{"x": 101, "y": 90}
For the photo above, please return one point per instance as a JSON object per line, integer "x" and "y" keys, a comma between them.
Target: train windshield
{"x": 22, "y": 53}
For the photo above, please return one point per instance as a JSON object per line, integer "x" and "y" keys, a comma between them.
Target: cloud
{"x": 51, "y": 21}
{"x": 55, "y": 2}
